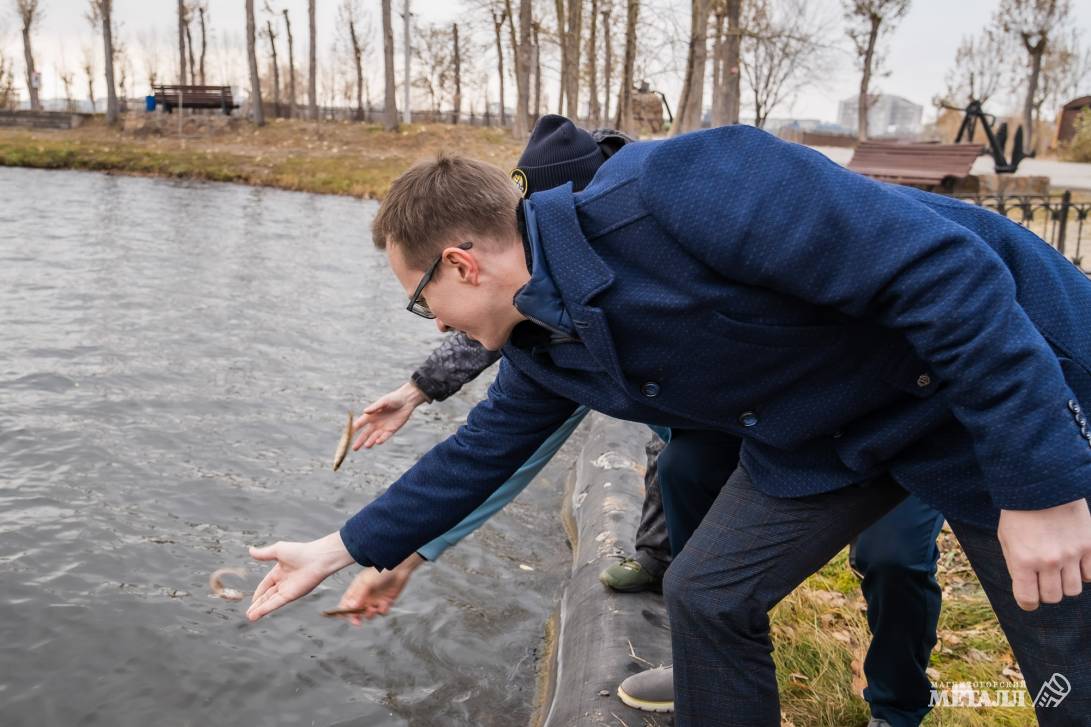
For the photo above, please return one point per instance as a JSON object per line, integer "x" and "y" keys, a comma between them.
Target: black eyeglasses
{"x": 417, "y": 304}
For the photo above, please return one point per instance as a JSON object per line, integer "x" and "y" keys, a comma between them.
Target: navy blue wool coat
{"x": 842, "y": 327}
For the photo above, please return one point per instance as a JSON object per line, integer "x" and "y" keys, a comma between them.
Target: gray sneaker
{"x": 876, "y": 722}
{"x": 649, "y": 691}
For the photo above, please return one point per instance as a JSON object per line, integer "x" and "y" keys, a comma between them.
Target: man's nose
{"x": 443, "y": 327}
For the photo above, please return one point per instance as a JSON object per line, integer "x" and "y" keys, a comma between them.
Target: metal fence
{"x": 1055, "y": 218}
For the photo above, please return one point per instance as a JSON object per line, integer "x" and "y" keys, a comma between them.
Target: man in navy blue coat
{"x": 860, "y": 338}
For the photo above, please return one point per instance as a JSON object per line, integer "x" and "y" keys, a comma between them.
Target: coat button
{"x": 748, "y": 419}
{"x": 1074, "y": 406}
{"x": 1081, "y": 419}
{"x": 650, "y": 389}
{"x": 924, "y": 380}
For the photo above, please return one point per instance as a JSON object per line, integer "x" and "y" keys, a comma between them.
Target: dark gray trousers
{"x": 752, "y": 550}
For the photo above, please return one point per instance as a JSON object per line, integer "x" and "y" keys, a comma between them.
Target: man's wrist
{"x": 332, "y": 553}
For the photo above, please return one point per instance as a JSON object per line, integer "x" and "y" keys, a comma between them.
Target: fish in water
{"x": 215, "y": 582}
{"x": 343, "y": 445}
{"x": 354, "y": 611}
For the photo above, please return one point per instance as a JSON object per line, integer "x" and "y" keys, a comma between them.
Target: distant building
{"x": 888, "y": 115}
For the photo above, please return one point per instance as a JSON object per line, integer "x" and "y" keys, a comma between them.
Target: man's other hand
{"x": 376, "y": 591}
{"x": 1048, "y": 552}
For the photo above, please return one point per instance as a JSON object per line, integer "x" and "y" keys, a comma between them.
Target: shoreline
{"x": 348, "y": 159}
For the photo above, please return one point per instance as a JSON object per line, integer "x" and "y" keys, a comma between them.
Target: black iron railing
{"x": 1055, "y": 218}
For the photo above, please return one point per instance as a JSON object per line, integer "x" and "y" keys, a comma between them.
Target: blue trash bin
{"x": 149, "y": 103}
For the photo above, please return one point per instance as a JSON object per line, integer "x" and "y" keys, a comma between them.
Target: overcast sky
{"x": 921, "y": 49}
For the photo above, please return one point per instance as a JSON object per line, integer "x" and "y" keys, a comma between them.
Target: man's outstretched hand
{"x": 299, "y": 568}
{"x": 387, "y": 415}
{"x": 376, "y": 591}
{"x": 1048, "y": 552}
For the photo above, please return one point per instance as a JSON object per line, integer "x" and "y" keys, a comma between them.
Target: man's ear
{"x": 464, "y": 262}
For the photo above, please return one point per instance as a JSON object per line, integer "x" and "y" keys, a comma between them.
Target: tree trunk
{"x": 407, "y": 80}
{"x": 497, "y": 24}
{"x": 276, "y": 67}
{"x": 28, "y": 56}
{"x": 726, "y": 91}
{"x": 865, "y": 79}
{"x": 572, "y": 77}
{"x": 718, "y": 15}
{"x": 691, "y": 104}
{"x": 594, "y": 112}
{"x": 252, "y": 54}
{"x": 521, "y": 127}
{"x": 192, "y": 60}
{"x": 106, "y": 10}
{"x": 608, "y": 61}
{"x": 291, "y": 66}
{"x": 562, "y": 44}
{"x": 312, "y": 72}
{"x": 204, "y": 43}
{"x": 456, "y": 102}
{"x": 357, "y": 56}
{"x": 390, "y": 103}
{"x": 624, "y": 120}
{"x": 182, "y": 42}
{"x": 1036, "y": 52}
{"x": 537, "y": 75}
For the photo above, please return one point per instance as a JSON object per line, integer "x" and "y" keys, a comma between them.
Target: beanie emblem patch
{"x": 520, "y": 178}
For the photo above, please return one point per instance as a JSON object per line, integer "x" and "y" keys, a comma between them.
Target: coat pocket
{"x": 776, "y": 336}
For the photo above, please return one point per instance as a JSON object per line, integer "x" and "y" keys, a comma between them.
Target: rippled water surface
{"x": 175, "y": 364}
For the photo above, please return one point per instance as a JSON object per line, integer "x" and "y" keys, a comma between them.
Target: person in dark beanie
{"x": 896, "y": 557}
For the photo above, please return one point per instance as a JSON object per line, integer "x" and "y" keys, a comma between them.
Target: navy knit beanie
{"x": 558, "y": 152}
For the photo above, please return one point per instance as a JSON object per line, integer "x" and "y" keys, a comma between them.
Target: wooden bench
{"x": 915, "y": 164}
{"x": 194, "y": 97}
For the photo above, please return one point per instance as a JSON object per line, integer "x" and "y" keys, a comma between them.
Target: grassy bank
{"x": 329, "y": 158}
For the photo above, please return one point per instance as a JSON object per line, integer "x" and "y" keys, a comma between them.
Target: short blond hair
{"x": 441, "y": 198}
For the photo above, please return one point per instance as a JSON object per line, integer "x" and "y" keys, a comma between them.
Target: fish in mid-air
{"x": 343, "y": 445}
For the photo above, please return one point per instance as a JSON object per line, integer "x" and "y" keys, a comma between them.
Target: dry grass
{"x": 821, "y": 636}
{"x": 360, "y": 160}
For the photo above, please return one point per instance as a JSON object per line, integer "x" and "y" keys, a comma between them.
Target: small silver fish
{"x": 343, "y": 445}
{"x": 218, "y": 588}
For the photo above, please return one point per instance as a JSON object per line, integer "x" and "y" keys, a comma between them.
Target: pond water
{"x": 176, "y": 360}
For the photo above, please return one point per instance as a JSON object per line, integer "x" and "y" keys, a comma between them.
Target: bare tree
{"x": 64, "y": 73}
{"x": 499, "y": 16}
{"x": 1033, "y": 23}
{"x": 252, "y": 57}
{"x": 608, "y": 55}
{"x": 106, "y": 13}
{"x": 390, "y": 104}
{"x": 7, "y": 83}
{"x": 291, "y": 65}
{"x": 29, "y": 12}
{"x": 624, "y": 120}
{"x": 782, "y": 51}
{"x": 202, "y": 12}
{"x": 521, "y": 126}
{"x": 189, "y": 45}
{"x": 347, "y": 19}
{"x": 594, "y": 111}
{"x": 434, "y": 64}
{"x": 572, "y": 59}
{"x": 979, "y": 68}
{"x": 727, "y": 64}
{"x": 866, "y": 22}
{"x": 271, "y": 37}
{"x": 89, "y": 68}
{"x": 562, "y": 46}
{"x": 537, "y": 27}
{"x": 456, "y": 102}
{"x": 312, "y": 71}
{"x": 691, "y": 104}
{"x": 182, "y": 23}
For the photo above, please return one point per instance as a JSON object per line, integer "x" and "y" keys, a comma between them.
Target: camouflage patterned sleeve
{"x": 454, "y": 363}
